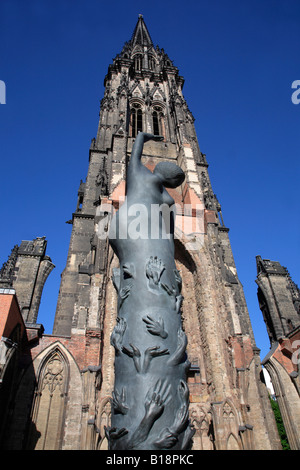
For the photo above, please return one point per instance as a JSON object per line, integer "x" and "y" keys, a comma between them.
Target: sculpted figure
{"x": 148, "y": 287}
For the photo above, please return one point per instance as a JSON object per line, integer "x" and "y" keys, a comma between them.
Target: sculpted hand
{"x": 178, "y": 303}
{"x": 118, "y": 333}
{"x": 154, "y": 406}
{"x": 155, "y": 327}
{"x": 182, "y": 339}
{"x": 135, "y": 354}
{"x": 171, "y": 291}
{"x": 178, "y": 279}
{"x": 156, "y": 399}
{"x": 119, "y": 402}
{"x": 128, "y": 270}
{"x": 114, "y": 433}
{"x": 166, "y": 439}
{"x": 154, "y": 269}
{"x": 182, "y": 414}
{"x": 125, "y": 291}
{"x": 183, "y": 392}
{"x": 154, "y": 351}
{"x": 180, "y": 350}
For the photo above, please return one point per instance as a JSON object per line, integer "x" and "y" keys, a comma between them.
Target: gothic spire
{"x": 141, "y": 34}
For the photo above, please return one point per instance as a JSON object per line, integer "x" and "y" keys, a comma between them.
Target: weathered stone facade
{"x": 27, "y": 270}
{"x": 279, "y": 300}
{"x": 62, "y": 400}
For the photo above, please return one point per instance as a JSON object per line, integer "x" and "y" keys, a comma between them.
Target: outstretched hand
{"x": 155, "y": 327}
{"x": 156, "y": 399}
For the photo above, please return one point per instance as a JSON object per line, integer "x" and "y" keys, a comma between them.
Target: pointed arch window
{"x": 136, "y": 119}
{"x": 48, "y": 408}
{"x": 155, "y": 123}
{"x": 151, "y": 62}
{"x": 138, "y": 62}
{"x": 158, "y": 121}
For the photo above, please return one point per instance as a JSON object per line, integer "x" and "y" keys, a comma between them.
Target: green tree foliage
{"x": 280, "y": 426}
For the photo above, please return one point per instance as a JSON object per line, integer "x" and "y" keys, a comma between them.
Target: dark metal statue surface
{"x": 150, "y": 399}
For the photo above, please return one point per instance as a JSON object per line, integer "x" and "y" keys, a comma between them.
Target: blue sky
{"x": 239, "y": 59}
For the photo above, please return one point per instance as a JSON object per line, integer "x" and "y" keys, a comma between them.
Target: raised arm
{"x": 137, "y": 150}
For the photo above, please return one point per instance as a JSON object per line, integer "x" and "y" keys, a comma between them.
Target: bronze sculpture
{"x": 150, "y": 399}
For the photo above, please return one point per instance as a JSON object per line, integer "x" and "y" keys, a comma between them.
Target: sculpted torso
{"x": 137, "y": 219}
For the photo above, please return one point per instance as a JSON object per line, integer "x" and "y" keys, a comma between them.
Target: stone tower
{"x": 26, "y": 271}
{"x": 143, "y": 92}
{"x": 63, "y": 399}
{"x": 279, "y": 301}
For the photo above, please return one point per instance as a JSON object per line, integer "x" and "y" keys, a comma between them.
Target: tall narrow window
{"x": 155, "y": 123}
{"x": 151, "y": 63}
{"x": 136, "y": 119}
{"x": 133, "y": 122}
{"x": 139, "y": 121}
{"x": 138, "y": 62}
{"x": 47, "y": 419}
{"x": 158, "y": 121}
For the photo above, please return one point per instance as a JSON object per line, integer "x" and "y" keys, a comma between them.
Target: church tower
{"x": 143, "y": 92}
{"x": 229, "y": 406}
